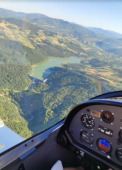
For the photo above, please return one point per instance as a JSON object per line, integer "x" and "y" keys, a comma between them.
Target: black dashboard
{"x": 93, "y": 131}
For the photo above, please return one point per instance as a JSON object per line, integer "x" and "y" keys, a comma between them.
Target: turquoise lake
{"x": 42, "y": 71}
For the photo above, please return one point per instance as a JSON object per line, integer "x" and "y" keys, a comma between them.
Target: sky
{"x": 106, "y": 14}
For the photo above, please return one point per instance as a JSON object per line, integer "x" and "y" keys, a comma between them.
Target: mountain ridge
{"x": 35, "y": 17}
{"x": 101, "y": 31}
{"x": 10, "y": 13}
{"x": 108, "y": 33}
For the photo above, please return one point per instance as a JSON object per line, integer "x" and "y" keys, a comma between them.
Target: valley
{"x": 77, "y": 63}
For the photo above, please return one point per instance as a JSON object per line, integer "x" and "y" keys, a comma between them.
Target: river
{"x": 42, "y": 71}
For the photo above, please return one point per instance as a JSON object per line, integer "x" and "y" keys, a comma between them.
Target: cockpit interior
{"x": 90, "y": 136}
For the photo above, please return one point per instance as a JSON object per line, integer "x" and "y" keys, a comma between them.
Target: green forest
{"x": 26, "y": 42}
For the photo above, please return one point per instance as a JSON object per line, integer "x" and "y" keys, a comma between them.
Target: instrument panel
{"x": 99, "y": 128}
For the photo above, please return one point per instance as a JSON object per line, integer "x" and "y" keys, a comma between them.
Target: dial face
{"x": 87, "y": 121}
{"x": 104, "y": 145}
{"x": 86, "y": 137}
{"x": 120, "y": 134}
{"x": 119, "y": 153}
{"x": 107, "y": 117}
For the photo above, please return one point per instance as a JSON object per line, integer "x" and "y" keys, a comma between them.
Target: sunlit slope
{"x": 25, "y": 32}
{"x": 23, "y": 44}
{"x": 38, "y": 40}
{"x": 30, "y": 42}
{"x": 55, "y": 25}
{"x": 82, "y": 34}
{"x": 10, "y": 115}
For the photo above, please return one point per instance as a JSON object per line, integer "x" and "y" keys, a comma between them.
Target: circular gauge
{"x": 107, "y": 117}
{"x": 87, "y": 121}
{"x": 104, "y": 145}
{"x": 119, "y": 154}
{"x": 87, "y": 137}
{"x": 120, "y": 134}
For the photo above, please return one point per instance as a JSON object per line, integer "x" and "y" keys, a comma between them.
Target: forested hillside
{"x": 33, "y": 46}
{"x": 64, "y": 89}
{"x": 27, "y": 40}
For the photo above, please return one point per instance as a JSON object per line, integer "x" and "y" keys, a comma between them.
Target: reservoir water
{"x": 8, "y": 138}
{"x": 42, "y": 71}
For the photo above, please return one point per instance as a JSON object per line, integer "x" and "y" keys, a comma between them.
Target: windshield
{"x": 54, "y": 55}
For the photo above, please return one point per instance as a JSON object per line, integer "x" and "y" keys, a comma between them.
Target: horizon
{"x": 104, "y": 15}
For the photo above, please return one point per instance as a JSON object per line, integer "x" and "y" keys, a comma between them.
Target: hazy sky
{"x": 102, "y": 14}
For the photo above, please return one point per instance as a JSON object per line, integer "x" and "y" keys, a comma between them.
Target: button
{"x": 98, "y": 167}
{"x": 108, "y": 157}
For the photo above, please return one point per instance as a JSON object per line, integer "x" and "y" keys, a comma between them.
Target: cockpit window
{"x": 54, "y": 55}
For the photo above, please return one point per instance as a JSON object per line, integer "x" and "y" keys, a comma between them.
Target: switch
{"x": 102, "y": 130}
{"x": 107, "y": 132}
{"x": 82, "y": 153}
